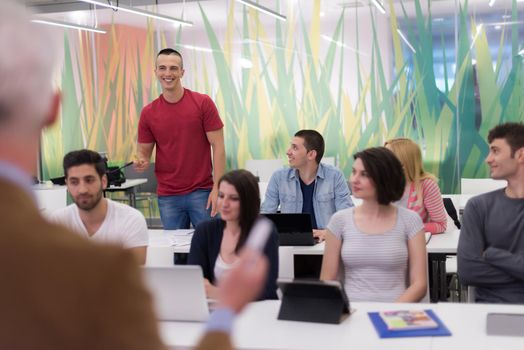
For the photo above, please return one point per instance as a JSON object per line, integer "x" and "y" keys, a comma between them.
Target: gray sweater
{"x": 491, "y": 248}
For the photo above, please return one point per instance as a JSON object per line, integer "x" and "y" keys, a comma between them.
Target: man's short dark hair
{"x": 384, "y": 168}
{"x": 169, "y": 51}
{"x": 313, "y": 141}
{"x": 513, "y": 133}
{"x": 84, "y": 156}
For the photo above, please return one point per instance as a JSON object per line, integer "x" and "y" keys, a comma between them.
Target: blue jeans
{"x": 176, "y": 212}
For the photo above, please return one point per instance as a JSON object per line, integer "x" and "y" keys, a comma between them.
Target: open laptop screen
{"x": 293, "y": 228}
{"x": 178, "y": 292}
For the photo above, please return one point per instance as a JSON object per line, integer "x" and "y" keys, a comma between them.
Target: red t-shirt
{"x": 183, "y": 153}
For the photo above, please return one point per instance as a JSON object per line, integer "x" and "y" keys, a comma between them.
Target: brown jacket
{"x": 59, "y": 291}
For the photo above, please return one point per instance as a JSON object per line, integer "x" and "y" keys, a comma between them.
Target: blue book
{"x": 384, "y": 332}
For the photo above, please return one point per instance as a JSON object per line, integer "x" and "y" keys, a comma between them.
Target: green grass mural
{"x": 295, "y": 84}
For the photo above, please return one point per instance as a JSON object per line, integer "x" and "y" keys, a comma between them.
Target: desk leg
{"x": 443, "y": 280}
{"x": 439, "y": 286}
{"x": 132, "y": 199}
{"x": 434, "y": 290}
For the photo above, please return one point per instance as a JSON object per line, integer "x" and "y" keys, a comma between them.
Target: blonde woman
{"x": 422, "y": 193}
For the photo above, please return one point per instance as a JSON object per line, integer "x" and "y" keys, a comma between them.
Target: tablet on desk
{"x": 178, "y": 292}
{"x": 506, "y": 324}
{"x": 313, "y": 301}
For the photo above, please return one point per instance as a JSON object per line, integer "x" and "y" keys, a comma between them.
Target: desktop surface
{"x": 258, "y": 328}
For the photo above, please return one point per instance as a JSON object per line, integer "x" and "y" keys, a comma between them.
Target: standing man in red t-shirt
{"x": 183, "y": 124}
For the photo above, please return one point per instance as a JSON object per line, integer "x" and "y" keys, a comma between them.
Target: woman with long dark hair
{"x": 217, "y": 242}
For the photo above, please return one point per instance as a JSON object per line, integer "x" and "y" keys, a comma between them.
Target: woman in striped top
{"x": 381, "y": 245}
{"x": 422, "y": 193}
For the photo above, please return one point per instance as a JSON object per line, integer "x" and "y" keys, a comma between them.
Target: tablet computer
{"x": 313, "y": 301}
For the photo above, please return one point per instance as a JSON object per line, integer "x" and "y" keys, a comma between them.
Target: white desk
{"x": 438, "y": 248}
{"x": 160, "y": 253}
{"x": 258, "y": 328}
{"x": 163, "y": 244}
{"x": 129, "y": 187}
{"x": 162, "y": 248}
{"x": 445, "y": 243}
{"x": 467, "y": 323}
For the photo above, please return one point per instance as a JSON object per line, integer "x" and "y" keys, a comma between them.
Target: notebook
{"x": 178, "y": 292}
{"x": 293, "y": 229}
{"x": 383, "y": 332}
{"x": 399, "y": 320}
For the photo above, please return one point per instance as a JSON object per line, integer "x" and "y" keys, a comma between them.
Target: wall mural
{"x": 355, "y": 97}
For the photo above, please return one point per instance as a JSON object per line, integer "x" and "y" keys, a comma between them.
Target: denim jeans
{"x": 177, "y": 212}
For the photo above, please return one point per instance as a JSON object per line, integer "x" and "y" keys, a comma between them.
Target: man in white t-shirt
{"x": 96, "y": 217}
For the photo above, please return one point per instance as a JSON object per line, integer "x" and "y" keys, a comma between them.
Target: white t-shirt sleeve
{"x": 60, "y": 216}
{"x": 134, "y": 229}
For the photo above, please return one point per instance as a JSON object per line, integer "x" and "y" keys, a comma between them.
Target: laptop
{"x": 178, "y": 292}
{"x": 293, "y": 229}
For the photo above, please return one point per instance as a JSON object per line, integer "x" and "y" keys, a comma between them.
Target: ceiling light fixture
{"x": 136, "y": 11}
{"x": 509, "y": 23}
{"x": 196, "y": 48}
{"x": 491, "y": 3}
{"x": 246, "y": 63}
{"x": 406, "y": 40}
{"x": 68, "y": 25}
{"x": 341, "y": 44}
{"x": 263, "y": 9}
{"x": 379, "y": 6}
{"x": 478, "y": 29}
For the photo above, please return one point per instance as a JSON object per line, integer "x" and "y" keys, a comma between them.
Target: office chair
{"x": 479, "y": 186}
{"x": 263, "y": 168}
{"x": 452, "y": 211}
{"x": 455, "y": 289}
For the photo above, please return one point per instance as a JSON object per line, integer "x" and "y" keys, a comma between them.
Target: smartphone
{"x": 505, "y": 324}
{"x": 259, "y": 234}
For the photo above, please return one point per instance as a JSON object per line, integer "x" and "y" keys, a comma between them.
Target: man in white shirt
{"x": 95, "y": 217}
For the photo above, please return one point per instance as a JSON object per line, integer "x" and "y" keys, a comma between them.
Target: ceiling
{"x": 217, "y": 10}
{"x": 72, "y": 5}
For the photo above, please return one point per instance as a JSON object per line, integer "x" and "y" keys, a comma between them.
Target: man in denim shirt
{"x": 308, "y": 186}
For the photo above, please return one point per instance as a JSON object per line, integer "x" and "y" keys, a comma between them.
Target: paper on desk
{"x": 179, "y": 232}
{"x": 169, "y": 240}
{"x": 180, "y": 241}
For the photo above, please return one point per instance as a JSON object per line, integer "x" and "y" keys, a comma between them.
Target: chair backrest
{"x": 471, "y": 294}
{"x": 262, "y": 186}
{"x": 452, "y": 211}
{"x": 328, "y": 160}
{"x": 263, "y": 168}
{"x": 149, "y": 174}
{"x": 479, "y": 186}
